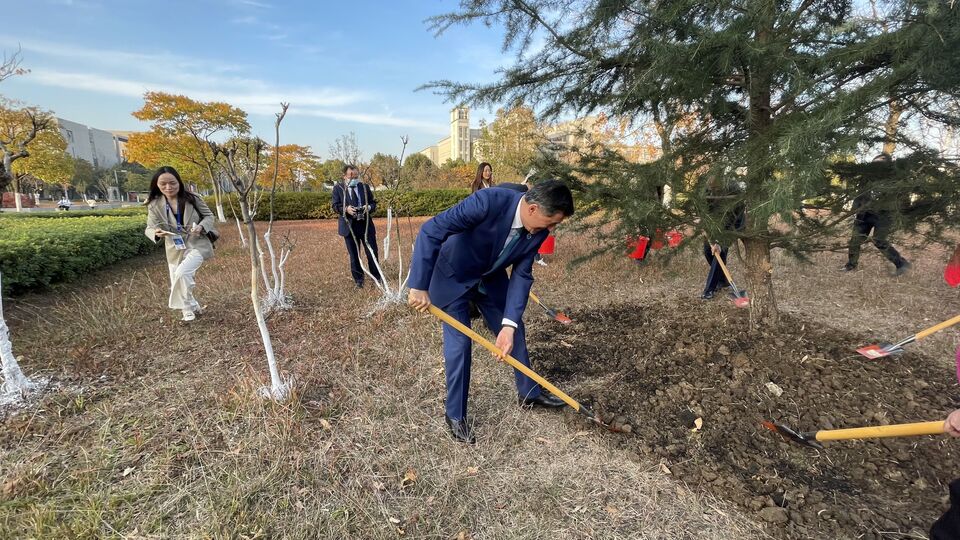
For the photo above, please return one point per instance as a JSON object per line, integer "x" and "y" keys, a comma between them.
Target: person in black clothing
{"x": 354, "y": 203}
{"x": 948, "y": 526}
{"x": 877, "y": 212}
{"x": 733, "y": 220}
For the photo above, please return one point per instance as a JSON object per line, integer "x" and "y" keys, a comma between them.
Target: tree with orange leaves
{"x": 178, "y": 117}
{"x": 295, "y": 166}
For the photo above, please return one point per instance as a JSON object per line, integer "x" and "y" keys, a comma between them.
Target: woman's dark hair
{"x": 477, "y": 184}
{"x": 155, "y": 193}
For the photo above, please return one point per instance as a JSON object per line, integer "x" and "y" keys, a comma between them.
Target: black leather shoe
{"x": 707, "y": 295}
{"x": 543, "y": 400}
{"x": 460, "y": 430}
{"x": 849, "y": 267}
{"x": 359, "y": 284}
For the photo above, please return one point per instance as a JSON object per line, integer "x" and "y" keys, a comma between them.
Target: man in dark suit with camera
{"x": 354, "y": 203}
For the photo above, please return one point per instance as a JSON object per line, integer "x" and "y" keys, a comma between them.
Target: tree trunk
{"x": 763, "y": 303}
{"x": 218, "y": 200}
{"x": 891, "y": 127}
{"x": 14, "y": 381}
{"x": 278, "y": 391}
{"x": 15, "y": 182}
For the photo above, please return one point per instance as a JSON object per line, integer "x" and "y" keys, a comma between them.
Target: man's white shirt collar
{"x": 517, "y": 222}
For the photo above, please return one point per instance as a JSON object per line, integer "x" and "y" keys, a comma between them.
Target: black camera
{"x": 360, "y": 212}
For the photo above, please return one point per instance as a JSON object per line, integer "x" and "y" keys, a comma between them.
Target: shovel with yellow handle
{"x": 886, "y": 349}
{"x": 814, "y": 438}
{"x": 558, "y": 316}
{"x": 479, "y": 340}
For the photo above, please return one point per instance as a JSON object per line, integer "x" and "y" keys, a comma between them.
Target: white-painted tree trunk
{"x": 386, "y": 239}
{"x": 15, "y": 383}
{"x": 243, "y": 240}
{"x": 278, "y": 390}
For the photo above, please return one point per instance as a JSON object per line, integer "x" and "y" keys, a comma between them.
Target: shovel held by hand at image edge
{"x": 557, "y": 315}
{"x": 886, "y": 349}
{"x": 478, "y": 339}
{"x": 738, "y": 296}
{"x": 813, "y": 438}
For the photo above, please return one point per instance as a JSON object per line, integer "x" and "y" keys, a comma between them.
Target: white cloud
{"x": 317, "y": 102}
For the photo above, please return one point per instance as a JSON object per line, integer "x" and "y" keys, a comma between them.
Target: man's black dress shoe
{"x": 543, "y": 400}
{"x": 460, "y": 430}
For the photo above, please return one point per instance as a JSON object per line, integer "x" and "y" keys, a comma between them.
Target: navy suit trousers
{"x": 457, "y": 351}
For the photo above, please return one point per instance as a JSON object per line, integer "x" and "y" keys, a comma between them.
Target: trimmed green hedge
{"x": 139, "y": 210}
{"x": 36, "y": 253}
{"x": 316, "y": 205}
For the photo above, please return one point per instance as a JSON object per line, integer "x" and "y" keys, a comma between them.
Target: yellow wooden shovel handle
{"x": 534, "y": 298}
{"x": 936, "y": 328}
{"x": 873, "y": 432}
{"x": 443, "y": 316}
{"x": 722, "y": 266}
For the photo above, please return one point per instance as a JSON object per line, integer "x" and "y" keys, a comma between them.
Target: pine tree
{"x": 781, "y": 90}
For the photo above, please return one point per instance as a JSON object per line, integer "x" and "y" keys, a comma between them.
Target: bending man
{"x": 462, "y": 255}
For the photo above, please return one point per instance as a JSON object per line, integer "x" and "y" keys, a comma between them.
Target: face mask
{"x": 354, "y": 183}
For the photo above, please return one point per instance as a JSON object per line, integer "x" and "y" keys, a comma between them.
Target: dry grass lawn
{"x": 155, "y": 430}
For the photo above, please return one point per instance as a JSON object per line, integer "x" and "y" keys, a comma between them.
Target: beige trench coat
{"x": 159, "y": 219}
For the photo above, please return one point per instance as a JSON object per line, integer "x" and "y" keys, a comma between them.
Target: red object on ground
{"x": 951, "y": 274}
{"x": 546, "y": 248}
{"x": 639, "y": 246}
{"x": 674, "y": 238}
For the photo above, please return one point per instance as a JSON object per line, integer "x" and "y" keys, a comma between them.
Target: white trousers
{"x": 182, "y": 282}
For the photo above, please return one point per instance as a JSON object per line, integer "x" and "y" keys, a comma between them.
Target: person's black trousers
{"x": 359, "y": 228}
{"x": 881, "y": 223}
{"x": 948, "y": 526}
{"x": 715, "y": 278}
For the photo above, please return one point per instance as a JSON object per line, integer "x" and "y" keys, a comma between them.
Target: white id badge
{"x": 178, "y": 242}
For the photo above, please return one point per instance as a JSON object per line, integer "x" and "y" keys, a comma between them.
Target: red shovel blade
{"x": 741, "y": 302}
{"x": 877, "y": 351}
{"x": 563, "y": 319}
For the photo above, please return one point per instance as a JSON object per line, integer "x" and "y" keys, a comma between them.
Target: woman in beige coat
{"x": 182, "y": 219}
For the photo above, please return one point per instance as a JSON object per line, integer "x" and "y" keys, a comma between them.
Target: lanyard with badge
{"x": 177, "y": 238}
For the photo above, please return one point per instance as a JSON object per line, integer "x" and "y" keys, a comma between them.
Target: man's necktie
{"x": 512, "y": 240}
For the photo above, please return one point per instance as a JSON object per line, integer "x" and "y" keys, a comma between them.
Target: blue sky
{"x": 343, "y": 65}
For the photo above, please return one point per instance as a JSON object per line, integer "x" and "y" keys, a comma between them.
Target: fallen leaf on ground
{"x": 697, "y": 424}
{"x": 565, "y": 344}
{"x": 473, "y": 471}
{"x": 325, "y": 424}
{"x": 127, "y": 471}
{"x": 409, "y": 478}
{"x": 664, "y": 469}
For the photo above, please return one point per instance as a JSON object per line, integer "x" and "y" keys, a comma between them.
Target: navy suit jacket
{"x": 341, "y": 199}
{"x": 456, "y": 249}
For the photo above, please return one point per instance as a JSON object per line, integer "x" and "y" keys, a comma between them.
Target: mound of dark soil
{"x": 656, "y": 370}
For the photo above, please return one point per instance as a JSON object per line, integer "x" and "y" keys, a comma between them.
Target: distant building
{"x": 460, "y": 144}
{"x": 101, "y": 148}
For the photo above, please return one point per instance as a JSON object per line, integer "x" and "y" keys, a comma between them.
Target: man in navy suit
{"x": 354, "y": 203}
{"x": 462, "y": 255}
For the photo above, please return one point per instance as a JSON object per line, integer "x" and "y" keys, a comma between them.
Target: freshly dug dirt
{"x": 655, "y": 370}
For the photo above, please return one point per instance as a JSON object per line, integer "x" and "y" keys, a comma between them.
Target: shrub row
{"x": 35, "y": 253}
{"x": 316, "y": 205}
{"x": 138, "y": 210}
